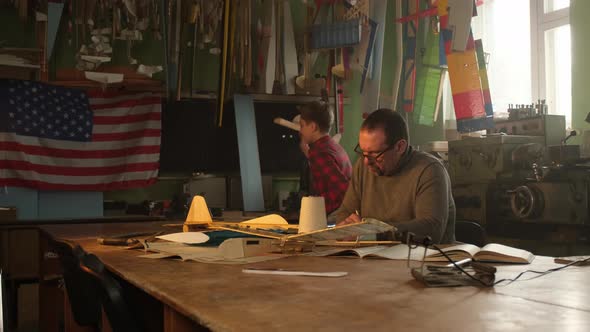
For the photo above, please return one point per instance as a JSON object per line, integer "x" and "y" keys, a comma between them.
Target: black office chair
{"x": 111, "y": 294}
{"x": 82, "y": 290}
{"x": 470, "y": 232}
{"x": 90, "y": 288}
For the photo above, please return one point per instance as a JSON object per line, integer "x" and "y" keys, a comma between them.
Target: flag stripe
{"x": 126, "y": 127}
{"x": 17, "y": 182}
{"x": 79, "y": 162}
{"x": 83, "y": 147}
{"x": 73, "y": 180}
{"x": 119, "y": 111}
{"x": 102, "y": 120}
{"x": 77, "y": 171}
{"x": 32, "y": 150}
{"x": 128, "y": 135}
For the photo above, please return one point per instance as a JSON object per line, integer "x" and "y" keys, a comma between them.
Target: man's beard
{"x": 376, "y": 170}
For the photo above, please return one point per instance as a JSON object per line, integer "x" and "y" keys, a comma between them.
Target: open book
{"x": 492, "y": 252}
{"x": 489, "y": 253}
{"x": 396, "y": 252}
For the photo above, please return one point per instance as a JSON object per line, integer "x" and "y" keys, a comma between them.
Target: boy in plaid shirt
{"x": 329, "y": 164}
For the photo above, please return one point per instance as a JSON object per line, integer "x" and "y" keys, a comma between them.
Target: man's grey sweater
{"x": 417, "y": 197}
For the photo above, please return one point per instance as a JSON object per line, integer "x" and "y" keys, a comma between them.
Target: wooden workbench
{"x": 376, "y": 295}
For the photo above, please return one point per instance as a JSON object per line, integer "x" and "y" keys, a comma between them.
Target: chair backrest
{"x": 470, "y": 232}
{"x": 91, "y": 288}
{"x": 82, "y": 290}
{"x": 113, "y": 302}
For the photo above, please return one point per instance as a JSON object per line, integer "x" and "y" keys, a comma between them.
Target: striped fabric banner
{"x": 45, "y": 146}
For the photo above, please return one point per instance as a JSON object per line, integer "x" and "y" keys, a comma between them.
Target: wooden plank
{"x": 410, "y": 31}
{"x": 372, "y": 84}
{"x": 248, "y": 151}
{"x": 271, "y": 55}
{"x": 224, "y": 67}
{"x": 176, "y": 322}
{"x": 460, "y": 15}
{"x": 290, "y": 52}
{"x": 263, "y": 43}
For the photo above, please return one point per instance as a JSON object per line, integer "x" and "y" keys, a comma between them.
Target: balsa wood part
{"x": 271, "y": 219}
{"x": 199, "y": 218}
{"x": 185, "y": 237}
{"x": 366, "y": 227}
{"x": 199, "y": 211}
{"x": 296, "y": 273}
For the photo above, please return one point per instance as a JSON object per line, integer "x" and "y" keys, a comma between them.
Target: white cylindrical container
{"x": 312, "y": 216}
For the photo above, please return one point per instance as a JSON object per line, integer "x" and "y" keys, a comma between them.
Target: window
{"x": 554, "y": 5}
{"x": 510, "y": 31}
{"x": 551, "y": 63}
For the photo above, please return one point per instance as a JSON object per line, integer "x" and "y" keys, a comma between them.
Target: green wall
{"x": 580, "y": 27}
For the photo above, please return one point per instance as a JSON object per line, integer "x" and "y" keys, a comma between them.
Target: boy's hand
{"x": 304, "y": 148}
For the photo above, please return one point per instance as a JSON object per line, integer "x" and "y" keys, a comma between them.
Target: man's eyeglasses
{"x": 372, "y": 157}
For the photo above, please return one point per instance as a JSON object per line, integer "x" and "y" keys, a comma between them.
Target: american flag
{"x": 56, "y": 138}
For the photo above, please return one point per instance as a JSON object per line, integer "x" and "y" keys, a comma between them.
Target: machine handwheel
{"x": 525, "y": 202}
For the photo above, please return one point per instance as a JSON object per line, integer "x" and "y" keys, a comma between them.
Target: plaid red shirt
{"x": 330, "y": 171}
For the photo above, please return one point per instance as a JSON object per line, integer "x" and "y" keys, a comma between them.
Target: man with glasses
{"x": 329, "y": 165}
{"x": 396, "y": 184}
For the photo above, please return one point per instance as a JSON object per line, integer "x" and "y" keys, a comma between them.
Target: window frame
{"x": 542, "y": 22}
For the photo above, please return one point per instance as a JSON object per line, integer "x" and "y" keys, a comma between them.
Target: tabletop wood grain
{"x": 375, "y": 295}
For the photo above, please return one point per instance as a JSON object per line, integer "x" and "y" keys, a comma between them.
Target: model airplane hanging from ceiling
{"x": 459, "y": 52}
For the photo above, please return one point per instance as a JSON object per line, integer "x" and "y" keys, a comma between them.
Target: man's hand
{"x": 352, "y": 219}
{"x": 304, "y": 148}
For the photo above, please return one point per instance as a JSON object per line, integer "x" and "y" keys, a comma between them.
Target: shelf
{"x": 19, "y": 65}
{"x": 264, "y": 98}
{"x": 286, "y": 178}
{"x": 20, "y": 57}
{"x": 146, "y": 85}
{"x": 292, "y": 99}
